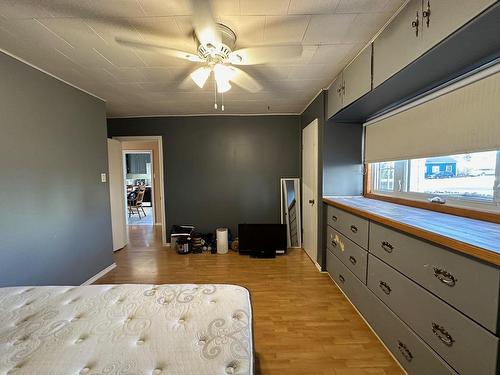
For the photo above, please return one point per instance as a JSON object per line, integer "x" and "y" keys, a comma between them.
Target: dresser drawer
{"x": 412, "y": 353}
{"x": 351, "y": 226}
{"x": 353, "y": 256}
{"x": 354, "y": 289}
{"x": 465, "y": 345}
{"x": 470, "y": 286}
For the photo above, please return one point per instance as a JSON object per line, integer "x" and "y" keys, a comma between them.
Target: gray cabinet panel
{"x": 358, "y": 77}
{"x": 412, "y": 353}
{"x": 465, "y": 345}
{"x": 353, "y": 227}
{"x": 353, "y": 256}
{"x": 397, "y": 45}
{"x": 335, "y": 95}
{"x": 470, "y": 286}
{"x": 446, "y": 16}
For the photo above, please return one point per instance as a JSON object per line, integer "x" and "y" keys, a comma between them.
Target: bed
{"x": 126, "y": 329}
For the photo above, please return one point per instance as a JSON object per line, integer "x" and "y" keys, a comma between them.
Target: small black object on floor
{"x": 262, "y": 240}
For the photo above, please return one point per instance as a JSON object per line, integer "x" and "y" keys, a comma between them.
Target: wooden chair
{"x": 137, "y": 203}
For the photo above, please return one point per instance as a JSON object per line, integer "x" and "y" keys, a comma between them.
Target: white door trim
{"x": 159, "y": 140}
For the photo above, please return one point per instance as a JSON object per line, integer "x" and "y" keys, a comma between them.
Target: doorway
{"x": 154, "y": 145}
{"x": 139, "y": 187}
{"x": 310, "y": 190}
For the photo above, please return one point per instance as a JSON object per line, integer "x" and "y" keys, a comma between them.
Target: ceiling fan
{"x": 215, "y": 43}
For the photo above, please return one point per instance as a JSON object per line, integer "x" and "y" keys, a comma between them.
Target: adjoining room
{"x": 250, "y": 187}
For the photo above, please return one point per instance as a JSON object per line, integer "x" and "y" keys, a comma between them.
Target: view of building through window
{"x": 473, "y": 176}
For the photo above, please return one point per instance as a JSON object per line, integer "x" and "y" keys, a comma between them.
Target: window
{"x": 467, "y": 179}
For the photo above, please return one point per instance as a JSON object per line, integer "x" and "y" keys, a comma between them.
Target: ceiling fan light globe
{"x": 200, "y": 76}
{"x": 223, "y": 86}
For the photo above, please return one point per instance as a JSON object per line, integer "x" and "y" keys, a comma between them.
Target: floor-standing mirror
{"x": 290, "y": 210}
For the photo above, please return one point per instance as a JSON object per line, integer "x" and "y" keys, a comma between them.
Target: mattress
{"x": 126, "y": 329}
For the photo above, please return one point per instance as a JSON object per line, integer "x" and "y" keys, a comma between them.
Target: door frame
{"x": 153, "y": 197}
{"x": 159, "y": 140}
{"x": 317, "y": 194}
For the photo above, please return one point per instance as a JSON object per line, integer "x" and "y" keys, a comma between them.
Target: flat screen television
{"x": 262, "y": 240}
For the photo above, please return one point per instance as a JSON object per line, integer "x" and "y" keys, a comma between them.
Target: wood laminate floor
{"x": 302, "y": 322}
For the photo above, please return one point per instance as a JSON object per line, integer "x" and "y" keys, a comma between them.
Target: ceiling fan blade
{"x": 204, "y": 24}
{"x": 264, "y": 54}
{"x": 158, "y": 48}
{"x": 244, "y": 80}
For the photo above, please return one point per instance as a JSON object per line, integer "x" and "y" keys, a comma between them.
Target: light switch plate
{"x": 103, "y": 177}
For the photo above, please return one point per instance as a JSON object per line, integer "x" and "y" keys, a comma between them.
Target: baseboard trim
{"x": 99, "y": 275}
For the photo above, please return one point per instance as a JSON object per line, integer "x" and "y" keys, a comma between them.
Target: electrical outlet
{"x": 103, "y": 177}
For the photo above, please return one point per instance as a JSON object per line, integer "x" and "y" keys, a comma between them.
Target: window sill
{"x": 452, "y": 210}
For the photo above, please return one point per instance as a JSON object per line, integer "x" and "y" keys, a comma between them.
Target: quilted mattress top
{"x": 126, "y": 329}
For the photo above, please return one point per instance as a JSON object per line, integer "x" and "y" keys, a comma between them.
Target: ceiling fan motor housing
{"x": 218, "y": 53}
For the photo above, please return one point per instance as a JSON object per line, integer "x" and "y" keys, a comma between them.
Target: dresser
{"x": 427, "y": 283}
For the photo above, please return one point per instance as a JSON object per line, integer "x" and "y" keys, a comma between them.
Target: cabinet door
{"x": 398, "y": 45}
{"x": 447, "y": 16}
{"x": 335, "y": 97}
{"x": 358, "y": 77}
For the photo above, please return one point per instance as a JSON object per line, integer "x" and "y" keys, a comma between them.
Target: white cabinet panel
{"x": 398, "y": 45}
{"x": 335, "y": 96}
{"x": 446, "y": 16}
{"x": 358, "y": 77}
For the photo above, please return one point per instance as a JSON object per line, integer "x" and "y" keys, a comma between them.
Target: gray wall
{"x": 221, "y": 170}
{"x": 55, "y": 225}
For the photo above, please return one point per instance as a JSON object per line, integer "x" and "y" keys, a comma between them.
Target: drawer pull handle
{"x": 405, "y": 351}
{"x": 353, "y": 260}
{"x": 445, "y": 277}
{"x": 387, "y": 246}
{"x": 341, "y": 278}
{"x": 442, "y": 334}
{"x": 334, "y": 243}
{"x": 334, "y": 218}
{"x": 385, "y": 287}
{"x": 354, "y": 229}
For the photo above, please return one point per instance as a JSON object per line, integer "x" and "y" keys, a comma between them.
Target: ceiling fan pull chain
{"x": 215, "y": 94}
{"x": 222, "y": 101}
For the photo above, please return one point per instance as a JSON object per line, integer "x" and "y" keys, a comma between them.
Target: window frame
{"x": 472, "y": 207}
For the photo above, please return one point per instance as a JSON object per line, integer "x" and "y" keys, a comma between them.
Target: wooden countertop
{"x": 476, "y": 238}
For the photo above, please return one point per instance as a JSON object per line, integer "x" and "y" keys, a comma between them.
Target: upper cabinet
{"x": 335, "y": 96}
{"x": 352, "y": 83}
{"x": 399, "y": 44}
{"x": 417, "y": 28}
{"x": 358, "y": 77}
{"x": 443, "y": 17}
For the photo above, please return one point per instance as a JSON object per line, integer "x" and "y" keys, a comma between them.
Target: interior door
{"x": 310, "y": 189}
{"x": 117, "y": 194}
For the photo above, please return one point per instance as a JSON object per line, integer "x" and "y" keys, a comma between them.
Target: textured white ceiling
{"x": 75, "y": 41}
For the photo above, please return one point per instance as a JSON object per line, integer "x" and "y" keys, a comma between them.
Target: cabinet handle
{"x": 445, "y": 277}
{"x": 442, "y": 334}
{"x": 354, "y": 229}
{"x": 353, "y": 260}
{"x": 426, "y": 14}
{"x": 415, "y": 24}
{"x": 387, "y": 246}
{"x": 385, "y": 287}
{"x": 334, "y": 218}
{"x": 405, "y": 351}
{"x": 341, "y": 278}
